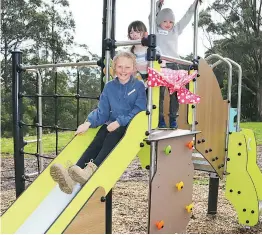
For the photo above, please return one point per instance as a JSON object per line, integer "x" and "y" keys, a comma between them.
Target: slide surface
{"x": 44, "y": 208}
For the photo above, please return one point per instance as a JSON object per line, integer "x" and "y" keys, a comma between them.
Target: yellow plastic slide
{"x": 44, "y": 208}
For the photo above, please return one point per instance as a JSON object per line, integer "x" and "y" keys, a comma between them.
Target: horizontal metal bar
{"x": 176, "y": 60}
{"x": 73, "y": 64}
{"x": 60, "y": 96}
{"x": 201, "y": 164}
{"x": 38, "y": 155}
{"x": 50, "y": 127}
{"x": 128, "y": 43}
{"x": 31, "y": 174}
{"x": 202, "y": 167}
{"x": 30, "y": 141}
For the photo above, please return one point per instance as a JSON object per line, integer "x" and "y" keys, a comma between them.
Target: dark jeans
{"x": 173, "y": 105}
{"x": 144, "y": 76}
{"x": 101, "y": 146}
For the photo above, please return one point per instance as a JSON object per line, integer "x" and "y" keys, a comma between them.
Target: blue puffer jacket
{"x": 119, "y": 102}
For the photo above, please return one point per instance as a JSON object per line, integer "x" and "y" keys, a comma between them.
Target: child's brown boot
{"x": 82, "y": 175}
{"x": 61, "y": 176}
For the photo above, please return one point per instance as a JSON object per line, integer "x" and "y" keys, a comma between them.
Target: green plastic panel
{"x": 252, "y": 166}
{"x": 240, "y": 189}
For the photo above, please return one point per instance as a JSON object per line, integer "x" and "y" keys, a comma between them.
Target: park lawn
{"x": 49, "y": 143}
{"x": 65, "y": 137}
{"x": 256, "y": 127}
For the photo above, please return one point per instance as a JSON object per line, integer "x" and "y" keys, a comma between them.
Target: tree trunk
{"x": 259, "y": 100}
{"x": 5, "y": 76}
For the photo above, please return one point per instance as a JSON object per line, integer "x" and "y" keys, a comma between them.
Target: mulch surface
{"x": 130, "y": 202}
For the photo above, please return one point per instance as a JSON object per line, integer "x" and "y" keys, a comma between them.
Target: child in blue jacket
{"x": 121, "y": 99}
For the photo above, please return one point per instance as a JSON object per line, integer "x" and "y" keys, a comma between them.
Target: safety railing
{"x": 229, "y": 63}
{"x": 175, "y": 60}
{"x": 239, "y": 89}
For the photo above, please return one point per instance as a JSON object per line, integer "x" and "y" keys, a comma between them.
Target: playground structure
{"x": 224, "y": 150}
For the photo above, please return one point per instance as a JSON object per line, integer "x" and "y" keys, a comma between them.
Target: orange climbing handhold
{"x": 160, "y": 224}
{"x": 190, "y": 144}
{"x": 180, "y": 185}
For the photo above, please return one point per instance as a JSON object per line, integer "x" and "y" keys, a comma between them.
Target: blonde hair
{"x": 126, "y": 54}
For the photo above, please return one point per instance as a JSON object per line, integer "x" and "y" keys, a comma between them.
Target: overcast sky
{"x": 88, "y": 19}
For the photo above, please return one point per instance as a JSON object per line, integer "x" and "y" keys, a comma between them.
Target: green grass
{"x": 65, "y": 137}
{"x": 49, "y": 141}
{"x": 256, "y": 127}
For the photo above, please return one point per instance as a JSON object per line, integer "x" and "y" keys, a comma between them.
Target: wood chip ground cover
{"x": 130, "y": 203}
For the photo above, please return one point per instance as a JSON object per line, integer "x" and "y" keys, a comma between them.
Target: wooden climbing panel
{"x": 211, "y": 115}
{"x": 169, "y": 202}
{"x": 91, "y": 218}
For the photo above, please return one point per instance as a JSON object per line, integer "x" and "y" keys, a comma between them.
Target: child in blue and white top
{"x": 167, "y": 33}
{"x": 136, "y": 31}
{"x": 121, "y": 100}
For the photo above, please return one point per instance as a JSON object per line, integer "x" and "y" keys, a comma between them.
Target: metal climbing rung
{"x": 200, "y": 163}
{"x": 32, "y": 174}
{"x": 31, "y": 141}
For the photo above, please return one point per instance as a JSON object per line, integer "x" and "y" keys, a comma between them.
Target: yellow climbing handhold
{"x": 189, "y": 208}
{"x": 180, "y": 186}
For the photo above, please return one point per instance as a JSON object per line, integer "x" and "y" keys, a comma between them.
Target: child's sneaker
{"x": 173, "y": 123}
{"x": 162, "y": 123}
{"x": 82, "y": 175}
{"x": 60, "y": 175}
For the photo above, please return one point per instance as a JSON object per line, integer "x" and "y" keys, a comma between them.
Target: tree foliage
{"x": 44, "y": 31}
{"x": 239, "y": 37}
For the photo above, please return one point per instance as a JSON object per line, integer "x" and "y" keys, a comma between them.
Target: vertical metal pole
{"x": 151, "y": 176}
{"x": 239, "y": 98}
{"x": 56, "y": 113}
{"x": 149, "y": 108}
{"x": 77, "y": 93}
{"x": 109, "y": 32}
{"x": 108, "y": 35}
{"x": 239, "y": 92}
{"x": 109, "y": 212}
{"x": 149, "y": 102}
{"x": 228, "y": 109}
{"x": 151, "y": 31}
{"x": 195, "y": 45}
{"x": 213, "y": 194}
{"x": 104, "y": 20}
{"x": 40, "y": 121}
{"x": 17, "y": 117}
{"x": 153, "y": 160}
{"x": 113, "y": 26}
